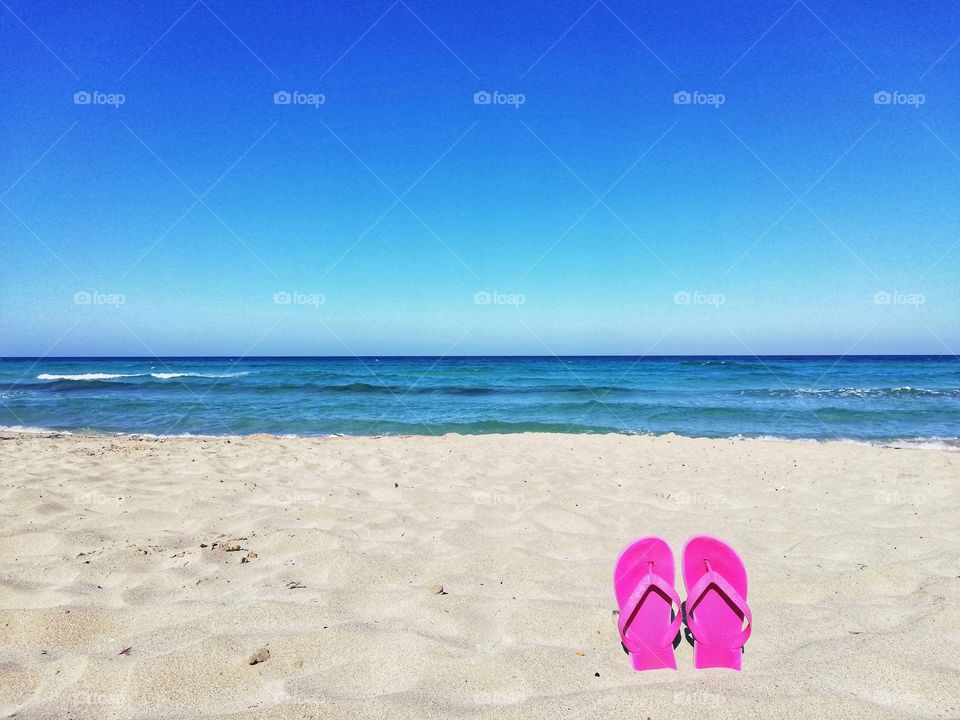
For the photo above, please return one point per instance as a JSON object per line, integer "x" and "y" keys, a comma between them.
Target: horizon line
{"x": 626, "y": 356}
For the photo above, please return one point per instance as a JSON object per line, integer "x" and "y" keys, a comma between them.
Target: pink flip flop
{"x": 643, "y": 583}
{"x": 716, "y": 604}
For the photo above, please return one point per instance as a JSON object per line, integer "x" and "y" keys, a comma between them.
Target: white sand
{"x": 853, "y": 554}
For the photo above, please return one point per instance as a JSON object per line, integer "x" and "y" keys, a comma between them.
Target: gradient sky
{"x": 600, "y": 203}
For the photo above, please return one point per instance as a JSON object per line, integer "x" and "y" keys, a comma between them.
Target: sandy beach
{"x": 138, "y": 576}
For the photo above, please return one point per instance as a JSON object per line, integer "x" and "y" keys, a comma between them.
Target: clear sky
{"x": 646, "y": 178}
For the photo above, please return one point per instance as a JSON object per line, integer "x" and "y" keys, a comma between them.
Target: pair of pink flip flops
{"x": 714, "y": 611}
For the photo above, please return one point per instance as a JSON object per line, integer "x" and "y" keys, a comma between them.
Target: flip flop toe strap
{"x": 629, "y": 611}
{"x": 696, "y": 592}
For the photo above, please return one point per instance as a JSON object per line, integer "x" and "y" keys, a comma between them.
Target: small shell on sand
{"x": 437, "y": 590}
{"x": 261, "y": 655}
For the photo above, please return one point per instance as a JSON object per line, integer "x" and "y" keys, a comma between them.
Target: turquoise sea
{"x": 879, "y": 399}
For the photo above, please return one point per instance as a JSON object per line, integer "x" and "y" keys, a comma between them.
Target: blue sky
{"x": 786, "y": 208}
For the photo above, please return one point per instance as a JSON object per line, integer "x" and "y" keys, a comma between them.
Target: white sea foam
{"x": 933, "y": 443}
{"x": 173, "y": 375}
{"x": 32, "y": 430}
{"x": 120, "y": 376}
{"x": 868, "y": 392}
{"x": 84, "y": 376}
{"x": 928, "y": 443}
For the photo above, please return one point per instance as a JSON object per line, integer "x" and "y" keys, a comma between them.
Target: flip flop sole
{"x": 653, "y": 615}
{"x": 714, "y": 612}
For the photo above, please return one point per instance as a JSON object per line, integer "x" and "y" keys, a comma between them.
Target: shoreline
{"x": 950, "y": 444}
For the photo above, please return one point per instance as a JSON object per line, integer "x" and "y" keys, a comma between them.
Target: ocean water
{"x": 876, "y": 399}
